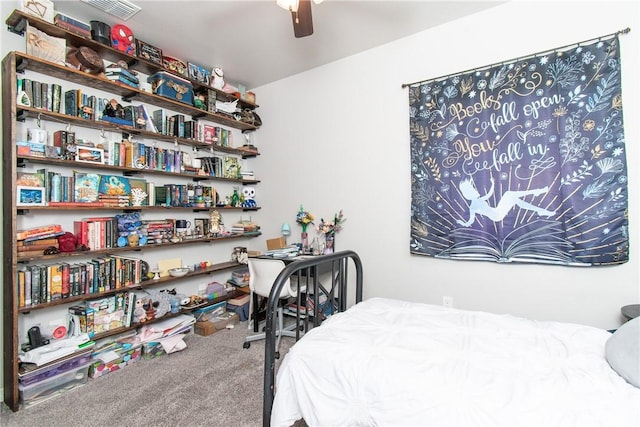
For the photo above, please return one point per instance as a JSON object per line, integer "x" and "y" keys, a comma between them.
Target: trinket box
{"x": 170, "y": 86}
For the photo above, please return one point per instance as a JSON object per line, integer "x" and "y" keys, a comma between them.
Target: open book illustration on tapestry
{"x": 523, "y": 161}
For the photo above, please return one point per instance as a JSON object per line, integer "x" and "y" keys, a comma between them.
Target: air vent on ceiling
{"x": 118, "y": 8}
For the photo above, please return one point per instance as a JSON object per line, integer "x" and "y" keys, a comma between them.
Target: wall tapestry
{"x": 522, "y": 161}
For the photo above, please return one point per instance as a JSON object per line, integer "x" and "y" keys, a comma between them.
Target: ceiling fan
{"x": 300, "y": 15}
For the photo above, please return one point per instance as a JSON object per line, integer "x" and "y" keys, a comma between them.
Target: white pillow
{"x": 623, "y": 351}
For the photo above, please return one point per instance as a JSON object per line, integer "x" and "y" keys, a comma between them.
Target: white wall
{"x": 337, "y": 137}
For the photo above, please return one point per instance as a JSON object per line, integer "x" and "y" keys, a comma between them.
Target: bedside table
{"x": 630, "y": 311}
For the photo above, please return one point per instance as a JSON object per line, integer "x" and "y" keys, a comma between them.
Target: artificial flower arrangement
{"x": 304, "y": 218}
{"x": 329, "y": 228}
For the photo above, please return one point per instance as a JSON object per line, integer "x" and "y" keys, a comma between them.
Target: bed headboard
{"x": 338, "y": 294}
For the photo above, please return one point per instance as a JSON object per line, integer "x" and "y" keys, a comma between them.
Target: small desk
{"x": 630, "y": 311}
{"x": 317, "y": 312}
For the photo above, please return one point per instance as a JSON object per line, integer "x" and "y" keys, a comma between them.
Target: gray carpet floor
{"x": 213, "y": 382}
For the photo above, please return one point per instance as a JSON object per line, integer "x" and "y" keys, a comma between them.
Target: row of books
{"x": 35, "y": 247}
{"x": 222, "y": 166}
{"x": 44, "y": 96}
{"x": 112, "y": 190}
{"x": 77, "y": 103}
{"x": 144, "y": 156}
{"x": 39, "y": 284}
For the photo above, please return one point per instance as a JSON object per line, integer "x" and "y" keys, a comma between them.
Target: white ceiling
{"x": 253, "y": 41}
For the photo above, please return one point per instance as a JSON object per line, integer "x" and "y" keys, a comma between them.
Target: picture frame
{"x": 30, "y": 196}
{"x": 148, "y": 52}
{"x": 89, "y": 154}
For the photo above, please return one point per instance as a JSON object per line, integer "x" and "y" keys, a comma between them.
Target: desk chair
{"x": 262, "y": 275}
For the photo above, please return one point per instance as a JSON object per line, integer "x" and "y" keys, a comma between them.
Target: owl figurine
{"x": 249, "y": 194}
{"x": 218, "y": 78}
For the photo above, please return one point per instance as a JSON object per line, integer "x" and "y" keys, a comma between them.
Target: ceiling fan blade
{"x": 302, "y": 21}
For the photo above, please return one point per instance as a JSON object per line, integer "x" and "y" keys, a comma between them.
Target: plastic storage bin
{"x": 51, "y": 387}
{"x": 99, "y": 368}
{"x": 57, "y": 368}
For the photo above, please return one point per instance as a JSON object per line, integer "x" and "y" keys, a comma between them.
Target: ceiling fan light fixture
{"x": 290, "y": 5}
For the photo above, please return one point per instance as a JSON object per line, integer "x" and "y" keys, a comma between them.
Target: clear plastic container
{"x": 51, "y": 387}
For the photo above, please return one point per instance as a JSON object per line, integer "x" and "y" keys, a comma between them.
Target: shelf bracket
{"x": 21, "y": 65}
{"x": 128, "y": 97}
{"x": 21, "y": 116}
{"x": 19, "y": 28}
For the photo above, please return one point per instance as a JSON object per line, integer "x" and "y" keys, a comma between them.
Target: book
{"x": 71, "y": 102}
{"x": 113, "y": 185}
{"x": 239, "y": 300}
{"x": 50, "y": 242}
{"x": 119, "y": 71}
{"x": 54, "y": 274}
{"x": 231, "y": 167}
{"x": 35, "y": 233}
{"x": 159, "y": 118}
{"x": 86, "y": 187}
{"x": 23, "y": 250}
{"x": 120, "y": 79}
{"x": 30, "y": 179}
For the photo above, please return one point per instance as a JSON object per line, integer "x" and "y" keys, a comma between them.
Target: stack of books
{"x": 122, "y": 76}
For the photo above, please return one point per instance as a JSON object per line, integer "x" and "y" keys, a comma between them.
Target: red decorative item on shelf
{"x": 67, "y": 242}
{"x": 122, "y": 39}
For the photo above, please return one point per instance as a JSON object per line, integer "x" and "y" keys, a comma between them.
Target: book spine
{"x": 56, "y": 94}
{"x": 55, "y": 282}
{"x": 27, "y": 286}
{"x": 37, "y": 94}
{"x": 20, "y": 282}
{"x": 35, "y": 285}
{"x": 66, "y": 288}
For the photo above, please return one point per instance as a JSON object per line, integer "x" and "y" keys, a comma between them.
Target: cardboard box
{"x": 205, "y": 328}
{"x": 277, "y": 243}
{"x": 216, "y": 324}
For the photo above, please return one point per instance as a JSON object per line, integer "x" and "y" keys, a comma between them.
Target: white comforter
{"x": 393, "y": 363}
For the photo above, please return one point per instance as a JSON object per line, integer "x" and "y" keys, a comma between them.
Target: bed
{"x": 386, "y": 362}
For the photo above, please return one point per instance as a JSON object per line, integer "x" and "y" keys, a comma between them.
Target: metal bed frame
{"x": 307, "y": 273}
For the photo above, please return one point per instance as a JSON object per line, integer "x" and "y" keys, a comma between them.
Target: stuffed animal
{"x": 122, "y": 39}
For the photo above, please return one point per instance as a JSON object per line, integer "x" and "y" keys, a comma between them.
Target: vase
{"x": 329, "y": 244}
{"x": 304, "y": 238}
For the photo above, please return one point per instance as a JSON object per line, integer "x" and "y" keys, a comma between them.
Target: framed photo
{"x": 148, "y": 52}
{"x": 30, "y": 196}
{"x": 89, "y": 154}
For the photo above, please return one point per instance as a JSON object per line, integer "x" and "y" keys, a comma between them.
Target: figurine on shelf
{"x": 214, "y": 222}
{"x": 199, "y": 102}
{"x": 113, "y": 109}
{"x": 249, "y": 194}
{"x": 139, "y": 314}
{"x": 218, "y": 78}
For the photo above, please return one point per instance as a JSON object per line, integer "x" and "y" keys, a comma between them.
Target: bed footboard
{"x": 337, "y": 293}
